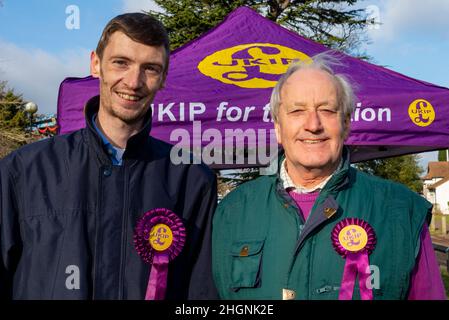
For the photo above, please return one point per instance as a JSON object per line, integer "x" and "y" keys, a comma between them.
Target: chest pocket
{"x": 246, "y": 263}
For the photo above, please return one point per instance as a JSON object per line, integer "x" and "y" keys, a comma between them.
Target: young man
{"x": 320, "y": 229}
{"x": 102, "y": 213}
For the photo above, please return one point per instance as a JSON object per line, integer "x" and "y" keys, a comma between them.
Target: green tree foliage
{"x": 402, "y": 169}
{"x": 442, "y": 155}
{"x": 330, "y": 22}
{"x": 12, "y": 113}
{"x": 12, "y": 120}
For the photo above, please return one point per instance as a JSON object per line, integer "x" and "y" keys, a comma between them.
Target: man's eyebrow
{"x": 129, "y": 59}
{"x": 120, "y": 57}
{"x": 147, "y": 64}
{"x": 318, "y": 104}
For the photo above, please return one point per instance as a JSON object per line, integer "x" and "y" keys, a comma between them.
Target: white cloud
{"x": 140, "y": 5}
{"x": 412, "y": 17}
{"x": 37, "y": 74}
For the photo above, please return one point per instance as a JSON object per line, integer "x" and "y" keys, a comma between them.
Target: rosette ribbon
{"x": 158, "y": 238}
{"x": 354, "y": 239}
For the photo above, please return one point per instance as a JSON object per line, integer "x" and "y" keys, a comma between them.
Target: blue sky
{"x": 37, "y": 51}
{"x": 32, "y": 24}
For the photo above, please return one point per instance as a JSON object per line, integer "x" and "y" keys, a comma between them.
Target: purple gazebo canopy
{"x": 219, "y": 85}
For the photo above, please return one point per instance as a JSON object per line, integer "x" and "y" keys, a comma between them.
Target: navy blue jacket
{"x": 65, "y": 208}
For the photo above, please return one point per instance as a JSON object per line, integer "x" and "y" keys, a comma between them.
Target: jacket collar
{"x": 134, "y": 145}
{"x": 325, "y": 206}
{"x": 341, "y": 177}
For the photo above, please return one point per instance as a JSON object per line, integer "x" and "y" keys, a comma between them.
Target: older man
{"x": 320, "y": 229}
{"x": 103, "y": 213}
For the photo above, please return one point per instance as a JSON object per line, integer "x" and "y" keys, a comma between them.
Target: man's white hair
{"x": 324, "y": 62}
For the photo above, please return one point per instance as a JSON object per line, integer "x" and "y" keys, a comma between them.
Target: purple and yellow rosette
{"x": 159, "y": 237}
{"x": 354, "y": 239}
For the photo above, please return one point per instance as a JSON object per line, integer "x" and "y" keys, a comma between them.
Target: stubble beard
{"x": 130, "y": 120}
{"x": 133, "y": 118}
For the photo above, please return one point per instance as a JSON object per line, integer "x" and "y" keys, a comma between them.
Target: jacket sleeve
{"x": 10, "y": 245}
{"x": 201, "y": 283}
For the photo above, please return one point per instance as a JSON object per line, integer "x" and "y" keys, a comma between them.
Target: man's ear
{"x": 277, "y": 131}
{"x": 94, "y": 65}
{"x": 347, "y": 127}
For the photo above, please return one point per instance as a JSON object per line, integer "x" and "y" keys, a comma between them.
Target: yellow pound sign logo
{"x": 161, "y": 237}
{"x": 421, "y": 112}
{"x": 253, "y": 65}
{"x": 353, "y": 238}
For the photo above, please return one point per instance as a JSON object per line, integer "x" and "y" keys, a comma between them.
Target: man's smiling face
{"x": 309, "y": 126}
{"x": 130, "y": 75}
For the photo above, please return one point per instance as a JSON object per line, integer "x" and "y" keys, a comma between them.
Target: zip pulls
{"x": 326, "y": 289}
{"x": 329, "y": 288}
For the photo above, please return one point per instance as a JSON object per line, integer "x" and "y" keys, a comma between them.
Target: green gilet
{"x": 261, "y": 245}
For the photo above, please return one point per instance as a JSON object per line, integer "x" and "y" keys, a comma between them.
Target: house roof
{"x": 439, "y": 183}
{"x": 437, "y": 169}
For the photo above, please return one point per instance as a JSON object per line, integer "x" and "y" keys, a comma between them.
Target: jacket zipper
{"x": 311, "y": 261}
{"x": 97, "y": 223}
{"x": 124, "y": 232}
{"x": 300, "y": 226}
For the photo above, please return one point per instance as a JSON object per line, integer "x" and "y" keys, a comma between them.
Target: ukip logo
{"x": 421, "y": 112}
{"x": 253, "y": 65}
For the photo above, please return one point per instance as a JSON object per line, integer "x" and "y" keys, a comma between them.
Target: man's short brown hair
{"x": 140, "y": 27}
